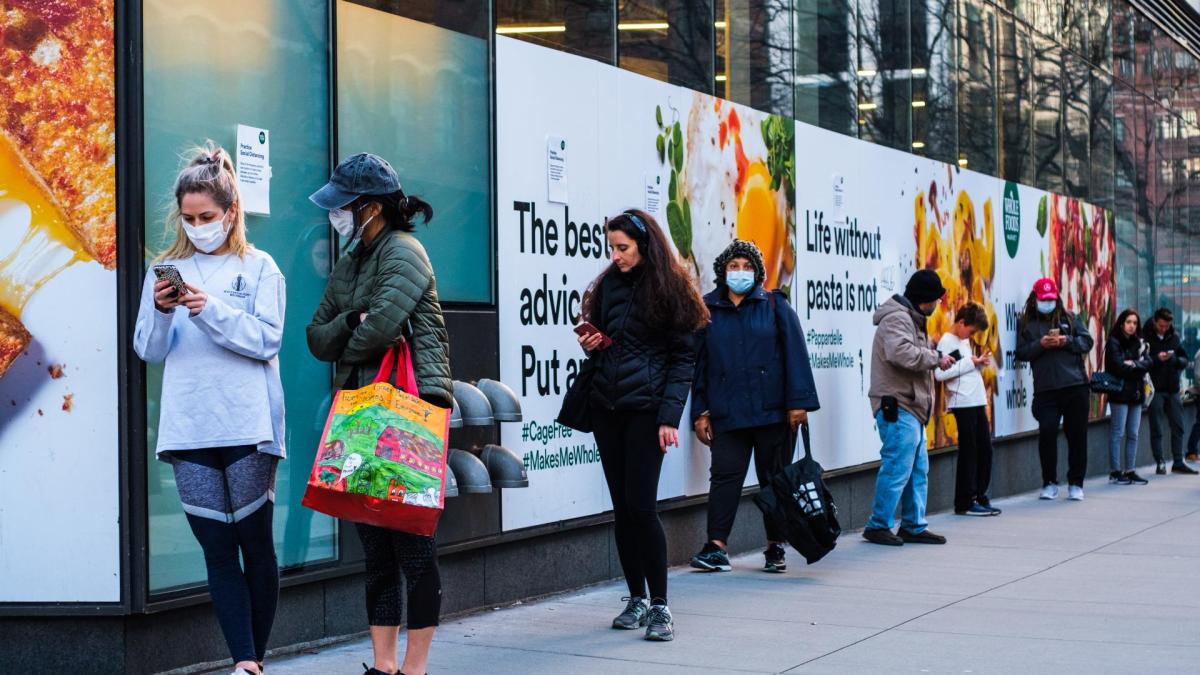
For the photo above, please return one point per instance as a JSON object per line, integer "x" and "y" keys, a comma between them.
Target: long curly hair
{"x": 667, "y": 297}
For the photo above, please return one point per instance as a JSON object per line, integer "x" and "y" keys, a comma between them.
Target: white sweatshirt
{"x": 221, "y": 384}
{"x": 964, "y": 383}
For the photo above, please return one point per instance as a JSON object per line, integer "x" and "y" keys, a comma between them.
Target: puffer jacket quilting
{"x": 392, "y": 281}
{"x": 645, "y": 369}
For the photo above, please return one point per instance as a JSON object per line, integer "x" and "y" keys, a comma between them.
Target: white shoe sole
{"x": 705, "y": 567}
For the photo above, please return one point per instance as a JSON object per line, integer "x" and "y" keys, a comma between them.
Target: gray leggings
{"x": 224, "y": 484}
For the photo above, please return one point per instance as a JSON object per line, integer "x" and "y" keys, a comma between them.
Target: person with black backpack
{"x": 753, "y": 387}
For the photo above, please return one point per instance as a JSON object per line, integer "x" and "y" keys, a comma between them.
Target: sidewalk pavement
{"x": 1107, "y": 585}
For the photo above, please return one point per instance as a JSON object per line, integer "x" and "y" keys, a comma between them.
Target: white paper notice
{"x": 654, "y": 195}
{"x": 254, "y": 169}
{"x": 556, "y": 169}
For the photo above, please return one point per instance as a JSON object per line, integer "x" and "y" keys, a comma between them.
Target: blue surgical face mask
{"x": 740, "y": 282}
{"x": 1047, "y": 306}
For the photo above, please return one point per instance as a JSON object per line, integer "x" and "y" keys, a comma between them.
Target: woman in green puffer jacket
{"x": 383, "y": 290}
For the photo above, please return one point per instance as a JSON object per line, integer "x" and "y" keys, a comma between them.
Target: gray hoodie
{"x": 902, "y": 362}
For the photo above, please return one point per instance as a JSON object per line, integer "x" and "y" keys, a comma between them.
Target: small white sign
{"x": 254, "y": 169}
{"x": 556, "y": 169}
{"x": 654, "y": 195}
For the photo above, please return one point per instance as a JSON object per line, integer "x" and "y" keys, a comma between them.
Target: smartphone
{"x": 586, "y": 329}
{"x": 890, "y": 408}
{"x": 956, "y": 355}
{"x": 1055, "y": 332}
{"x": 171, "y": 274}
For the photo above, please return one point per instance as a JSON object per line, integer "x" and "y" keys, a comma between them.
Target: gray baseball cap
{"x": 361, "y": 174}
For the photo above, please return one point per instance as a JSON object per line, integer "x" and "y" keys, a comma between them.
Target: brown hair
{"x": 209, "y": 170}
{"x": 972, "y": 314}
{"x": 668, "y": 299}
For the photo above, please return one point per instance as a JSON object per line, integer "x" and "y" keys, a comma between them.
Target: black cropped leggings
{"x": 632, "y": 461}
{"x": 388, "y": 553}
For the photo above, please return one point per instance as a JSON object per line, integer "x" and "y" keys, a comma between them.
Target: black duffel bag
{"x": 799, "y": 501}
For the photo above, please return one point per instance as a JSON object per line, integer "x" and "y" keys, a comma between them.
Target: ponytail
{"x": 399, "y": 209}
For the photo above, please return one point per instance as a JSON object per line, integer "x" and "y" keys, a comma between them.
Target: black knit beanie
{"x": 924, "y": 286}
{"x": 741, "y": 249}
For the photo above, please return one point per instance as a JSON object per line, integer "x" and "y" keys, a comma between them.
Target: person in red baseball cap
{"x": 1053, "y": 341}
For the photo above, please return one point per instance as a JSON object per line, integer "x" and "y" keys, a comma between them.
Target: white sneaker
{"x": 1049, "y": 492}
{"x": 1075, "y": 493}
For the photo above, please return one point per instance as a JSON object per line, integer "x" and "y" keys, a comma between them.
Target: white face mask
{"x": 1047, "y": 306}
{"x": 342, "y": 222}
{"x": 209, "y": 236}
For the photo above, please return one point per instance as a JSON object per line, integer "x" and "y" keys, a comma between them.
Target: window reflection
{"x": 1076, "y": 79}
{"x": 668, "y": 40}
{"x": 884, "y": 73}
{"x": 582, "y": 27}
{"x": 977, "y": 86}
{"x": 824, "y": 78}
{"x": 1016, "y": 102}
{"x": 934, "y": 76}
{"x": 1047, "y": 114}
{"x": 754, "y": 54}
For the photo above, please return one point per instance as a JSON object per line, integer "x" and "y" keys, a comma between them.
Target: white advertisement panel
{"x": 842, "y": 224}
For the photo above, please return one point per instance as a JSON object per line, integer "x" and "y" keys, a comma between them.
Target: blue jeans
{"x": 903, "y": 474}
{"x": 1126, "y": 421}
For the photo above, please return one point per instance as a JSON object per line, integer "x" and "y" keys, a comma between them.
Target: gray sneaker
{"x": 636, "y": 613}
{"x": 660, "y": 627}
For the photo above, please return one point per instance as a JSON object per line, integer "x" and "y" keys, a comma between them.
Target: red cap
{"x": 1046, "y": 289}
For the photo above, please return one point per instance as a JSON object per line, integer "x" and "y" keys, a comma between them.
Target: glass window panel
{"x": 1143, "y": 132}
{"x": 1075, "y": 26}
{"x": 1102, "y": 164}
{"x": 418, "y": 95}
{"x": 582, "y": 27}
{"x": 1049, "y": 18}
{"x": 1124, "y": 48}
{"x": 1047, "y": 114}
{"x": 1100, "y": 39}
{"x": 934, "y": 79}
{"x": 825, "y": 78}
{"x": 754, "y": 54}
{"x": 977, "y": 86}
{"x": 1165, "y": 72}
{"x": 1077, "y": 81}
{"x": 1016, "y": 102}
{"x": 668, "y": 40}
{"x": 884, "y": 81}
{"x": 1125, "y": 194}
{"x": 271, "y": 71}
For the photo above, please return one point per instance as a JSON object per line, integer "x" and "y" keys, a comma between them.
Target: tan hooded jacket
{"x": 902, "y": 362}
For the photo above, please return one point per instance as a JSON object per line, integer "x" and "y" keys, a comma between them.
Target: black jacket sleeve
{"x": 800, "y": 389}
{"x": 681, "y": 367}
{"x": 1029, "y": 345}
{"x": 700, "y": 378}
{"x": 1081, "y": 341}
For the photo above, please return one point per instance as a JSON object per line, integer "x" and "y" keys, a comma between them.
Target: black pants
{"x": 632, "y": 461}
{"x": 730, "y": 461}
{"x": 1070, "y": 406}
{"x": 973, "y": 475}
{"x": 1171, "y": 406}
{"x": 388, "y": 553}
{"x": 223, "y": 492}
{"x": 1194, "y": 437}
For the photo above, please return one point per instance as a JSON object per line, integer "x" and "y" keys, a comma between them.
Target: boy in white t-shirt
{"x": 967, "y": 400}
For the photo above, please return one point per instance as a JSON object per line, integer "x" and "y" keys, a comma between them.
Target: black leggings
{"x": 227, "y": 495}
{"x": 974, "y": 472}
{"x": 1071, "y": 406}
{"x": 632, "y": 460}
{"x": 730, "y": 460}
{"x": 388, "y": 552}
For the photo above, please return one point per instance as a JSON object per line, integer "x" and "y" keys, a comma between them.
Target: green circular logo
{"x": 262, "y": 137}
{"x": 1012, "y": 218}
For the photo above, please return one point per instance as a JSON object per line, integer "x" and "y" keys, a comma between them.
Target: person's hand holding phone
{"x": 590, "y": 338}
{"x": 946, "y": 362}
{"x": 166, "y": 298}
{"x": 1164, "y": 356}
{"x": 195, "y": 300}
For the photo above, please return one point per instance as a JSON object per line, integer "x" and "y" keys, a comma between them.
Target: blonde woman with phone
{"x": 212, "y": 311}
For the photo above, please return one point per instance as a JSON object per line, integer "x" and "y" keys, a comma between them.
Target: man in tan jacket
{"x": 902, "y": 365}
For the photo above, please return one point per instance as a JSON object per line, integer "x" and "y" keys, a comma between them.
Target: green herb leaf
{"x": 677, "y": 147}
{"x": 687, "y": 226}
{"x": 658, "y": 115}
{"x": 672, "y": 188}
{"x": 675, "y": 223}
{"x": 658, "y": 144}
{"x": 1041, "y": 220}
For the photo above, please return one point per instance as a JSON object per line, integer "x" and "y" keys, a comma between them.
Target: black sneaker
{"x": 976, "y": 509}
{"x": 711, "y": 559}
{"x": 1131, "y": 478}
{"x": 924, "y": 537}
{"x": 660, "y": 627}
{"x": 1160, "y": 468}
{"x": 882, "y": 535}
{"x": 637, "y": 612}
{"x": 375, "y": 671}
{"x": 1118, "y": 478}
{"x": 776, "y": 559}
{"x": 1184, "y": 469}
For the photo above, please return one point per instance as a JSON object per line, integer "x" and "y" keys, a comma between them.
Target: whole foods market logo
{"x": 1012, "y": 219}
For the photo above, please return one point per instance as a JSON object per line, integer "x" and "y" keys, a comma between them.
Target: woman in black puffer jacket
{"x": 1125, "y": 357}
{"x": 648, "y": 305}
